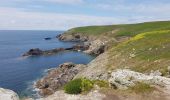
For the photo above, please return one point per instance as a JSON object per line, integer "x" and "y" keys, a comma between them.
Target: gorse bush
{"x": 73, "y": 87}
{"x": 78, "y": 85}
{"x": 86, "y": 85}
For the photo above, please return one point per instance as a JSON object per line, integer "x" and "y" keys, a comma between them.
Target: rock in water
{"x": 6, "y": 94}
{"x": 33, "y": 52}
{"x": 48, "y": 38}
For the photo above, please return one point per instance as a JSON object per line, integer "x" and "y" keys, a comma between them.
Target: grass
{"x": 78, "y": 86}
{"x": 148, "y": 46}
{"x": 73, "y": 87}
{"x": 123, "y": 29}
{"x": 83, "y": 85}
{"x": 141, "y": 88}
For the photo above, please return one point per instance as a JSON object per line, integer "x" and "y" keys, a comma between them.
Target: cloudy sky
{"x": 65, "y": 14}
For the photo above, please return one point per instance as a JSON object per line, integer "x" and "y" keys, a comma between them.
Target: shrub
{"x": 86, "y": 85}
{"x": 78, "y": 85}
{"x": 101, "y": 83}
{"x": 73, "y": 87}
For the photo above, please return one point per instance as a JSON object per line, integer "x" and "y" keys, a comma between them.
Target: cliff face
{"x": 6, "y": 94}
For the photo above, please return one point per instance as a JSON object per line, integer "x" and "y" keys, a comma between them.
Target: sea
{"x": 19, "y": 73}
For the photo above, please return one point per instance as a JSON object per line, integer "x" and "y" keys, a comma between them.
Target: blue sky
{"x": 65, "y": 14}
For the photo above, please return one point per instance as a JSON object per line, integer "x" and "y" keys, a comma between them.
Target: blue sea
{"x": 18, "y": 73}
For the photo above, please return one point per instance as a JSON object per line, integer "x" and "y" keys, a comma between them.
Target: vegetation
{"x": 150, "y": 45}
{"x": 73, "y": 87}
{"x": 83, "y": 85}
{"x": 78, "y": 86}
{"x": 123, "y": 29}
{"x": 101, "y": 83}
{"x": 141, "y": 88}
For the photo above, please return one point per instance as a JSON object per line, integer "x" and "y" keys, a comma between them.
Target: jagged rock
{"x": 72, "y": 37}
{"x": 6, "y": 94}
{"x": 96, "y": 47}
{"x": 155, "y": 73}
{"x": 125, "y": 78}
{"x": 57, "y": 77}
{"x": 35, "y": 51}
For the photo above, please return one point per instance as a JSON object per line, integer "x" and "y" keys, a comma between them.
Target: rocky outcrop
{"x": 72, "y": 37}
{"x": 37, "y": 51}
{"x": 57, "y": 77}
{"x": 96, "y": 47}
{"x": 124, "y": 78}
{"x": 6, "y": 94}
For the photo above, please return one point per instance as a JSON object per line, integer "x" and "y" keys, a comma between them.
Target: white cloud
{"x": 157, "y": 8}
{"x": 65, "y": 1}
{"x": 11, "y": 18}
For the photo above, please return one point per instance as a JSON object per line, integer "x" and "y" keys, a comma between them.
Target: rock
{"x": 126, "y": 78}
{"x": 96, "y": 47}
{"x": 37, "y": 52}
{"x": 48, "y": 38}
{"x": 57, "y": 77}
{"x": 155, "y": 73}
{"x": 99, "y": 50}
{"x": 72, "y": 37}
{"x": 33, "y": 52}
{"x": 6, "y": 94}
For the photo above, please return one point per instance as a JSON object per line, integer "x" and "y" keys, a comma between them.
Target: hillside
{"x": 132, "y": 59}
{"x": 123, "y": 29}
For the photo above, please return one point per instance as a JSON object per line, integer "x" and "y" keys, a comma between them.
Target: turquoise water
{"x": 18, "y": 73}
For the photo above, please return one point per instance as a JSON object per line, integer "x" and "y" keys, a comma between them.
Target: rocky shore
{"x": 58, "y": 77}
{"x": 37, "y": 51}
{"x": 88, "y": 45}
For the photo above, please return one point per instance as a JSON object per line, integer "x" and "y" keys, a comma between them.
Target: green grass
{"x": 101, "y": 83}
{"x": 148, "y": 46}
{"x": 78, "y": 86}
{"x": 141, "y": 88}
{"x": 73, "y": 87}
{"x": 83, "y": 85}
{"x": 123, "y": 29}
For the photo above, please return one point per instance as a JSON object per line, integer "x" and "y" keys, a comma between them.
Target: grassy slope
{"x": 123, "y": 30}
{"x": 150, "y": 45}
{"x": 148, "y": 51}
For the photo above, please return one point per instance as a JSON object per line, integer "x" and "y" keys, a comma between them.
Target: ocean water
{"x": 18, "y": 73}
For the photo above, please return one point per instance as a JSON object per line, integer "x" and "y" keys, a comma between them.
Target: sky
{"x": 66, "y": 14}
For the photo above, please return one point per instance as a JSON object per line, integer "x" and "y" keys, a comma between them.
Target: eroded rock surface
{"x": 123, "y": 78}
{"x": 58, "y": 77}
{"x": 6, "y": 94}
{"x": 72, "y": 37}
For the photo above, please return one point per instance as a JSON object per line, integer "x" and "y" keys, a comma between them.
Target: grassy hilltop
{"x": 123, "y": 29}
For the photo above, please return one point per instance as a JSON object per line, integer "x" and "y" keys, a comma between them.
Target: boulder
{"x": 6, "y": 94}
{"x": 33, "y": 52}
